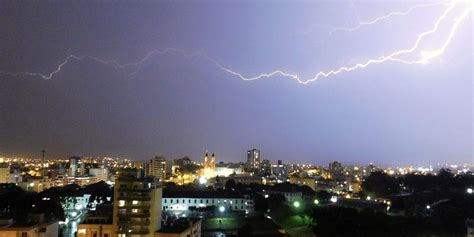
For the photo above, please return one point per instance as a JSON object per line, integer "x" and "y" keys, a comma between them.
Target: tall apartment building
{"x": 265, "y": 167}
{"x": 156, "y": 167}
{"x": 76, "y": 166}
{"x": 99, "y": 174}
{"x": 253, "y": 159}
{"x": 136, "y": 210}
{"x": 137, "y": 206}
{"x": 4, "y": 173}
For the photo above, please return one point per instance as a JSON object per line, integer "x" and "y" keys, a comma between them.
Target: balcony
{"x": 133, "y": 232}
{"x": 133, "y": 189}
{"x": 134, "y": 222}
{"x": 134, "y": 215}
{"x": 135, "y": 197}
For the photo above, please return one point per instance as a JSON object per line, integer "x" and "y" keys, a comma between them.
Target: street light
{"x": 316, "y": 201}
{"x": 296, "y": 204}
{"x": 221, "y": 209}
{"x": 470, "y": 191}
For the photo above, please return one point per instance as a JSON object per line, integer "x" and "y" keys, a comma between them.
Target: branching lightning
{"x": 425, "y": 55}
{"x": 454, "y": 20}
{"x": 384, "y": 17}
{"x": 112, "y": 63}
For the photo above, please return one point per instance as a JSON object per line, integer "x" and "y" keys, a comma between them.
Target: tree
{"x": 230, "y": 184}
{"x": 261, "y": 204}
{"x": 275, "y": 201}
{"x": 380, "y": 184}
{"x": 323, "y": 196}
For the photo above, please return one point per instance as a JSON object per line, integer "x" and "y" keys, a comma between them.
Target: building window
{"x": 171, "y": 200}
{"x": 134, "y": 202}
{"x": 195, "y": 201}
{"x": 134, "y": 210}
{"x": 121, "y": 203}
{"x": 201, "y": 200}
{"x": 24, "y": 234}
{"x": 165, "y": 200}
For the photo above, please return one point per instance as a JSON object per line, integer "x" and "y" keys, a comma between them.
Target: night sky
{"x": 389, "y": 113}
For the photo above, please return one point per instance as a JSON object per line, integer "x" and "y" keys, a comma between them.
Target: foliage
{"x": 380, "y": 184}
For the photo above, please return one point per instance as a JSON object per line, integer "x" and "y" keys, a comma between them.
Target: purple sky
{"x": 389, "y": 113}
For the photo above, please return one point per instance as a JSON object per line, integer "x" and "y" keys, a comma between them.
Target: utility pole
{"x": 43, "y": 152}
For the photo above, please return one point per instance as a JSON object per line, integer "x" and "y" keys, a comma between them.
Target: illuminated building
{"x": 227, "y": 169}
{"x": 182, "y": 162}
{"x": 100, "y": 174}
{"x": 137, "y": 206}
{"x": 4, "y": 173}
{"x": 335, "y": 167}
{"x": 179, "y": 202}
{"x": 308, "y": 181}
{"x": 30, "y": 229}
{"x": 265, "y": 168}
{"x": 76, "y": 166}
{"x": 36, "y": 184}
{"x": 156, "y": 168}
{"x": 209, "y": 166}
{"x": 253, "y": 159}
{"x": 97, "y": 223}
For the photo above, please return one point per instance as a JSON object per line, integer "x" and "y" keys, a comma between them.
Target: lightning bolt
{"x": 112, "y": 63}
{"x": 396, "y": 56}
{"x": 425, "y": 55}
{"x": 384, "y": 17}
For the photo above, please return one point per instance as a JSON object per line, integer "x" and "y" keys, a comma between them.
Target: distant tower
{"x": 213, "y": 161}
{"x": 253, "y": 159}
{"x": 43, "y": 152}
{"x": 206, "y": 159}
{"x": 209, "y": 165}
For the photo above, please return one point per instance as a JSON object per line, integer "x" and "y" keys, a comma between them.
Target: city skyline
{"x": 176, "y": 105}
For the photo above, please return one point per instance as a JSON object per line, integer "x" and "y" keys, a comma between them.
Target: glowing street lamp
{"x": 221, "y": 209}
{"x": 296, "y": 204}
{"x": 316, "y": 201}
{"x": 470, "y": 191}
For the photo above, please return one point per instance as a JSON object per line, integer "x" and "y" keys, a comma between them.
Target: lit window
{"x": 134, "y": 210}
{"x": 121, "y": 203}
{"x": 134, "y": 202}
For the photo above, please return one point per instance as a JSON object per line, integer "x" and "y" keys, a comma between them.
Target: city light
{"x": 202, "y": 180}
{"x": 333, "y": 199}
{"x": 296, "y": 204}
{"x": 469, "y": 190}
{"x": 221, "y": 209}
{"x": 316, "y": 201}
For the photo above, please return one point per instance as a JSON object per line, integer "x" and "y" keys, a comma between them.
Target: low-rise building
{"x": 182, "y": 201}
{"x": 308, "y": 181}
{"x": 97, "y": 223}
{"x": 46, "y": 229}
